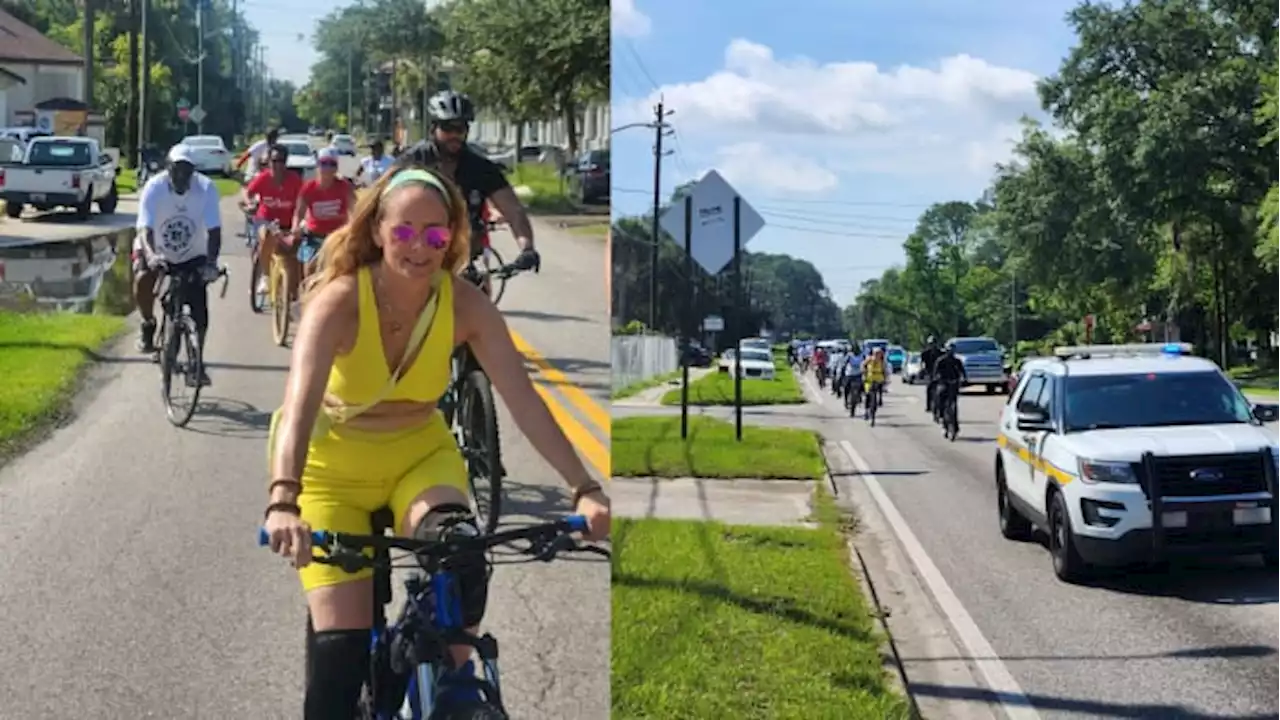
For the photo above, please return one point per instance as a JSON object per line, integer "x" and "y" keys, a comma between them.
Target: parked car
{"x": 896, "y": 356}
{"x": 588, "y": 177}
{"x": 697, "y": 355}
{"x": 755, "y": 344}
{"x": 343, "y": 145}
{"x": 61, "y": 172}
{"x": 983, "y": 360}
{"x": 913, "y": 369}
{"x": 756, "y": 364}
{"x": 210, "y": 154}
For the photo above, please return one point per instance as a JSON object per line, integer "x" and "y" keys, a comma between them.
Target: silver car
{"x": 343, "y": 144}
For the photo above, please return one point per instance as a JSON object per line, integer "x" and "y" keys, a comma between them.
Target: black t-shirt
{"x": 950, "y": 369}
{"x": 477, "y": 177}
{"x": 929, "y": 358}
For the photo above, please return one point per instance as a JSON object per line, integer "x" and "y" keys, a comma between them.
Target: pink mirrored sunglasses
{"x": 433, "y": 236}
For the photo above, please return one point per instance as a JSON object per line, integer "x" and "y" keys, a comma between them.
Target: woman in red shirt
{"x": 276, "y": 190}
{"x": 325, "y": 201}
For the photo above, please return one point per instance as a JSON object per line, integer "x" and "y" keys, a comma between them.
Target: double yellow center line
{"x": 582, "y": 438}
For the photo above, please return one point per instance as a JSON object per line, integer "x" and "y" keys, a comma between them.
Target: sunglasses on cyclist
{"x": 454, "y": 126}
{"x": 433, "y": 236}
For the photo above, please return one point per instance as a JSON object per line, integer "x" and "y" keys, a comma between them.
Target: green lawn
{"x": 638, "y": 387}
{"x": 597, "y": 229}
{"x": 723, "y": 621}
{"x": 652, "y": 447}
{"x": 1255, "y": 380}
{"x": 549, "y": 192}
{"x": 127, "y": 182}
{"x": 40, "y": 357}
{"x": 717, "y": 388}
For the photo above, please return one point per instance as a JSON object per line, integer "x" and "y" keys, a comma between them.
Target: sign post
{"x": 714, "y": 242}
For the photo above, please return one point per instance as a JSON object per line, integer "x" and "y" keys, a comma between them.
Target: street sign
{"x": 197, "y": 114}
{"x": 183, "y": 104}
{"x": 713, "y": 323}
{"x": 712, "y": 226}
{"x": 183, "y": 113}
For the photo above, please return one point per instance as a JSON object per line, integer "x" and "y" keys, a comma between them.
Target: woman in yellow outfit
{"x": 359, "y": 428}
{"x": 873, "y": 376}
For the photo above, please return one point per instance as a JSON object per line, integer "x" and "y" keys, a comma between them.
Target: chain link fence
{"x": 640, "y": 357}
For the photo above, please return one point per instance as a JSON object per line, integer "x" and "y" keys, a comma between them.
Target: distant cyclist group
{"x": 361, "y": 427}
{"x": 861, "y": 378}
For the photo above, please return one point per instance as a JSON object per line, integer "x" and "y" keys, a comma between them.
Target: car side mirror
{"x": 1266, "y": 412}
{"x": 1032, "y": 419}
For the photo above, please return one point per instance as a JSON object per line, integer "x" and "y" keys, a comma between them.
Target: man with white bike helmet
{"x": 478, "y": 178}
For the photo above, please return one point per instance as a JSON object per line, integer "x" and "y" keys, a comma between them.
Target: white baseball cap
{"x": 182, "y": 153}
{"x": 327, "y": 155}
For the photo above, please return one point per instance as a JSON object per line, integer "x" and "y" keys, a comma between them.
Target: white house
{"x": 33, "y": 70}
{"x": 593, "y": 130}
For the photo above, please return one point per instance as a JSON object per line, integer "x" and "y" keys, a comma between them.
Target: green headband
{"x": 420, "y": 176}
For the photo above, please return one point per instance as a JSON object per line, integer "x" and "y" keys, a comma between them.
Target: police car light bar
{"x": 1101, "y": 351}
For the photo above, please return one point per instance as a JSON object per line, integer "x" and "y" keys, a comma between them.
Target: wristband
{"x": 291, "y": 508}
{"x": 583, "y": 490}
{"x": 297, "y": 484}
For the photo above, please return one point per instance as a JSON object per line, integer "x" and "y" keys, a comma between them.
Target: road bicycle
{"x": 874, "y": 398}
{"x": 469, "y": 409}
{"x": 412, "y": 675}
{"x": 178, "y": 340}
{"x": 950, "y": 411}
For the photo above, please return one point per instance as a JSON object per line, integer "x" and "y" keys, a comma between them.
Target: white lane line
{"x": 1013, "y": 701}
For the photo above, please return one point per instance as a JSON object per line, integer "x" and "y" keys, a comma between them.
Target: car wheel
{"x": 1067, "y": 563}
{"x": 1013, "y": 526}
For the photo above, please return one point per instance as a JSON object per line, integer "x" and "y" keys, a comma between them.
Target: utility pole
{"x": 659, "y": 128}
{"x": 90, "y": 11}
{"x": 144, "y": 80}
{"x": 237, "y": 120}
{"x": 131, "y": 120}
{"x": 200, "y": 63}
{"x": 264, "y": 80}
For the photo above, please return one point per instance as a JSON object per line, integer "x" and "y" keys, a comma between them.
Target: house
{"x": 35, "y": 71}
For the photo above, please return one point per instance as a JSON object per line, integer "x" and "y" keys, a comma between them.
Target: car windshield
{"x": 298, "y": 149}
{"x": 895, "y": 352}
{"x": 757, "y": 355}
{"x": 1097, "y": 402}
{"x": 202, "y": 141}
{"x": 975, "y": 345}
{"x": 66, "y": 154}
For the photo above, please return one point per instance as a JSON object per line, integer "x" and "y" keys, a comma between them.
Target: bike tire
{"x": 491, "y": 261}
{"x": 256, "y": 303}
{"x": 280, "y": 302}
{"x": 183, "y": 338}
{"x": 874, "y": 399}
{"x": 477, "y": 418}
{"x": 477, "y": 710}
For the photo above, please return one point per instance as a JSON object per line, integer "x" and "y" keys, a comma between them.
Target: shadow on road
{"x": 548, "y": 316}
{"x": 228, "y": 417}
{"x": 538, "y": 501}
{"x": 1084, "y": 708}
{"x": 569, "y": 365}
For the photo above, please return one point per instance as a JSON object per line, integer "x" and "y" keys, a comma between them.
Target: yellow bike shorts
{"x": 352, "y": 473}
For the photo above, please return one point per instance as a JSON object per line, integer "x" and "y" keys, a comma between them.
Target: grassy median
{"x": 652, "y": 447}
{"x": 1255, "y": 380}
{"x": 127, "y": 182}
{"x": 636, "y": 388}
{"x": 724, "y": 621}
{"x": 41, "y": 355}
{"x": 548, "y": 191}
{"x": 717, "y": 388}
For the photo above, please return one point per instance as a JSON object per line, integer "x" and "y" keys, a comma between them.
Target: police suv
{"x": 1135, "y": 453}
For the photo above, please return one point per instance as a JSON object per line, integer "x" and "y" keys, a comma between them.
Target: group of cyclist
{"x": 857, "y": 376}
{"x": 360, "y": 428}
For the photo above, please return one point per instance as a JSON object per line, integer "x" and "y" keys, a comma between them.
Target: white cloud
{"x": 626, "y": 20}
{"x": 956, "y": 116}
{"x": 753, "y": 164}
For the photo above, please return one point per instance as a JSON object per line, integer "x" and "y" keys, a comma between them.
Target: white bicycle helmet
{"x": 449, "y": 105}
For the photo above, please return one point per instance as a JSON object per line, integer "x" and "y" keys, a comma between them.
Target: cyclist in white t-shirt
{"x": 374, "y": 166}
{"x": 256, "y": 155}
{"x": 179, "y": 225}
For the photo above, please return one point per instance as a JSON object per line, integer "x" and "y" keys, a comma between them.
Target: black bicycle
{"x": 469, "y": 408}
{"x": 412, "y": 674}
{"x": 853, "y": 395}
{"x": 178, "y": 341}
{"x": 874, "y": 399}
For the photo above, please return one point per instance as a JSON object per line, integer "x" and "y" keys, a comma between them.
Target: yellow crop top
{"x": 358, "y": 377}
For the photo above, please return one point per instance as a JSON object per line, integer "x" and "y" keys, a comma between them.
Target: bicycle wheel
{"x": 280, "y": 302}
{"x": 473, "y": 710}
{"x": 182, "y": 363}
{"x": 873, "y": 401}
{"x": 477, "y": 418}
{"x": 257, "y": 300}
{"x": 491, "y": 261}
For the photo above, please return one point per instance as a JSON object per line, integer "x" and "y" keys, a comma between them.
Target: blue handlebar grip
{"x": 577, "y": 523}
{"x": 318, "y": 537}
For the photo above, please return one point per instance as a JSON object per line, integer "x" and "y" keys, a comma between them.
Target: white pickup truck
{"x": 60, "y": 172}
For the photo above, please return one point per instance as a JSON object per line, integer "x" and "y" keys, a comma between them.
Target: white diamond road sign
{"x": 712, "y": 227}
{"x": 196, "y": 114}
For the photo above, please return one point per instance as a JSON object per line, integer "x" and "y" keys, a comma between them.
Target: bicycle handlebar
{"x": 550, "y": 532}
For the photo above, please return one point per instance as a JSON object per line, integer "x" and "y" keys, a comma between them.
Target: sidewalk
{"x": 743, "y": 501}
{"x": 652, "y": 397}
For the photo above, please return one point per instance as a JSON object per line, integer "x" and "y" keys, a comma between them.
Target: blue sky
{"x": 838, "y": 121}
{"x": 280, "y": 22}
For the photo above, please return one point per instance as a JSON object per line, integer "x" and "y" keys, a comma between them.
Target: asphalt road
{"x": 1200, "y": 642}
{"x": 133, "y": 586}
